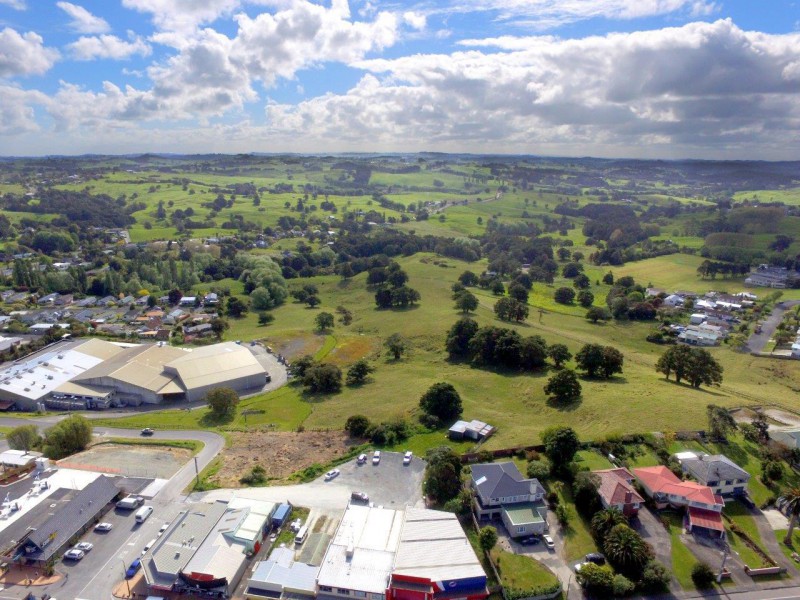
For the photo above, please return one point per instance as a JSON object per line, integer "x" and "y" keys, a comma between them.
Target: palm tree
{"x": 604, "y": 521}
{"x": 627, "y": 550}
{"x": 791, "y": 499}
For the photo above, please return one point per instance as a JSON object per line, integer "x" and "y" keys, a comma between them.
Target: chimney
{"x": 628, "y": 497}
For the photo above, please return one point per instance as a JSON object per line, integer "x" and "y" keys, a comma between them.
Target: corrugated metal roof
{"x": 281, "y": 569}
{"x": 215, "y": 364}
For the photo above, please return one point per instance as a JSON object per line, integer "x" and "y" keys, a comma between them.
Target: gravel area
{"x": 155, "y": 462}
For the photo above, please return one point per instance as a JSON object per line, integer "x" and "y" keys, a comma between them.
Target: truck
{"x": 130, "y": 502}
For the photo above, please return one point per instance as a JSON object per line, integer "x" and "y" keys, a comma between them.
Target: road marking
{"x": 119, "y": 557}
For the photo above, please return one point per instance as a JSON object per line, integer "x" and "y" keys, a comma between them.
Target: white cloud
{"x": 24, "y": 54}
{"x": 702, "y": 88}
{"x": 415, "y": 19}
{"x": 107, "y": 46}
{"x": 82, "y": 20}
{"x": 16, "y": 110}
{"x": 183, "y": 15}
{"x": 547, "y": 14}
{"x": 15, "y": 4}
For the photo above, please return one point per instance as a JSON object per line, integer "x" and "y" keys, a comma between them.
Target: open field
{"x": 639, "y": 400}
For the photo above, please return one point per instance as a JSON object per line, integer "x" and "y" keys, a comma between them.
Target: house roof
{"x": 72, "y": 517}
{"x": 501, "y": 480}
{"x": 713, "y": 467}
{"x": 708, "y": 519}
{"x": 615, "y": 485}
{"x": 661, "y": 480}
{"x": 281, "y": 569}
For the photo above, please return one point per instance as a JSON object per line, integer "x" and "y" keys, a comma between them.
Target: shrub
{"x": 655, "y": 577}
{"x": 538, "y": 470}
{"x": 357, "y": 425}
{"x": 256, "y": 476}
{"x": 622, "y": 586}
{"x": 702, "y": 576}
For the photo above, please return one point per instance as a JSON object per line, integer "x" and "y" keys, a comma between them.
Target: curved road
{"x": 757, "y": 341}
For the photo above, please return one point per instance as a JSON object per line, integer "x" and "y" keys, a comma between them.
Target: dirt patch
{"x": 281, "y": 453}
{"x": 160, "y": 462}
{"x": 351, "y": 349}
{"x": 782, "y": 417}
{"x": 295, "y": 347}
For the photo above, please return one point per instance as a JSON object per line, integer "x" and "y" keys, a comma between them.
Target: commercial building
{"x": 282, "y": 577}
{"x": 206, "y": 547}
{"x": 99, "y": 374}
{"x": 411, "y": 554}
{"x": 47, "y": 534}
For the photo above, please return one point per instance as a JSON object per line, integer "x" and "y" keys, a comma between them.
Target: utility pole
{"x": 722, "y": 566}
{"x": 124, "y": 574}
{"x": 196, "y": 472}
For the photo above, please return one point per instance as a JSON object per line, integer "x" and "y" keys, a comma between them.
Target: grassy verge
{"x": 286, "y": 536}
{"x": 682, "y": 558}
{"x": 193, "y": 445}
{"x": 521, "y": 572}
{"x": 739, "y": 515}
{"x": 592, "y": 460}
{"x": 578, "y": 540}
{"x": 472, "y": 536}
{"x": 203, "y": 483}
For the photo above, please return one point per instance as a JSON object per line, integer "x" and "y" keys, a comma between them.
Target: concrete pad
{"x": 776, "y": 519}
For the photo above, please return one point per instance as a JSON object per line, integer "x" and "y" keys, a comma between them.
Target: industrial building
{"x": 99, "y": 374}
{"x": 207, "y": 546}
{"x": 411, "y": 554}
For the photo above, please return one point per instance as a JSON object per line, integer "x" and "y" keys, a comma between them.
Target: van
{"x": 301, "y": 535}
{"x": 143, "y": 513}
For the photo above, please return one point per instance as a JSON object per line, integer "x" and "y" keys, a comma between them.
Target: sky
{"x": 671, "y": 79}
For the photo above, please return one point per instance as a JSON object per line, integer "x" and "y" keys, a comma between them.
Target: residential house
{"x": 716, "y": 471}
{"x": 502, "y": 492}
{"x": 652, "y": 292}
{"x": 674, "y": 300}
{"x": 64, "y": 300}
{"x": 211, "y": 299}
{"x": 127, "y": 301}
{"x": 87, "y": 302}
{"x": 697, "y": 318}
{"x": 188, "y": 301}
{"x": 107, "y": 301}
{"x": 19, "y": 297}
{"x": 696, "y": 335}
{"x": 616, "y": 491}
{"x": 703, "y": 506}
{"x": 48, "y": 300}
{"x": 200, "y": 330}
{"x": 788, "y": 436}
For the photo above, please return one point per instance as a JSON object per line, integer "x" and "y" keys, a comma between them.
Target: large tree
{"x": 720, "y": 422}
{"x": 563, "y": 387}
{"x": 442, "y": 401}
{"x": 67, "y": 437}
{"x": 560, "y": 444}
{"x": 590, "y": 359}
{"x": 442, "y": 474}
{"x": 696, "y": 365}
{"x": 222, "y": 400}
{"x": 323, "y": 378}
{"x": 324, "y": 321}
{"x": 459, "y": 336}
{"x": 627, "y": 551}
{"x": 358, "y": 372}
{"x": 396, "y": 345}
{"x": 466, "y": 302}
{"x": 24, "y": 437}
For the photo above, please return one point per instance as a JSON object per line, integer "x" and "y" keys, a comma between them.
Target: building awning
{"x": 707, "y": 519}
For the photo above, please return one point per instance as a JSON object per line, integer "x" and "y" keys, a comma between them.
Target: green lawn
{"x": 592, "y": 460}
{"x": 578, "y": 541}
{"x": 521, "y": 572}
{"x": 739, "y": 514}
{"x": 192, "y": 445}
{"x": 682, "y": 558}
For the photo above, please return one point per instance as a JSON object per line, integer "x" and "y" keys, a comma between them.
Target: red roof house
{"x": 616, "y": 491}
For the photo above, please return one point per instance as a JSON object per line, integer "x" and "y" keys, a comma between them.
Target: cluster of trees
{"x": 317, "y": 377}
{"x": 222, "y": 401}
{"x": 695, "y": 365}
{"x": 626, "y": 299}
{"x": 384, "y": 433}
{"x": 442, "y": 474}
{"x": 392, "y": 291}
{"x": 441, "y": 403}
{"x": 66, "y": 437}
{"x": 498, "y": 346}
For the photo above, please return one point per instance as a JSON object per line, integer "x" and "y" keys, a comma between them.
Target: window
{"x": 729, "y": 482}
{"x": 521, "y": 529}
{"x": 343, "y": 591}
{"x": 358, "y": 594}
{"x": 712, "y": 483}
{"x": 325, "y": 588}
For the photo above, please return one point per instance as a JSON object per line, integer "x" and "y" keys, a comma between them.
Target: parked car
{"x": 548, "y": 541}
{"x": 332, "y": 474}
{"x": 103, "y": 527}
{"x": 376, "y": 457}
{"x": 359, "y": 496}
{"x": 148, "y": 431}
{"x": 133, "y": 568}
{"x": 530, "y": 540}
{"x": 74, "y": 554}
{"x": 84, "y": 546}
{"x": 595, "y": 557}
{"x": 362, "y": 458}
{"x": 163, "y": 529}
{"x": 407, "y": 457}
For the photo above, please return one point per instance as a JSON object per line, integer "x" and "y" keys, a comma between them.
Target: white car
{"x": 332, "y": 474}
{"x": 163, "y": 529}
{"x": 548, "y": 541}
{"x": 84, "y": 546}
{"x": 103, "y": 527}
{"x": 73, "y": 554}
{"x": 407, "y": 457}
{"x": 376, "y": 457}
{"x": 362, "y": 458}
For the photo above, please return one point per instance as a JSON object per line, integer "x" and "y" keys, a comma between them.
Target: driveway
{"x": 654, "y": 533}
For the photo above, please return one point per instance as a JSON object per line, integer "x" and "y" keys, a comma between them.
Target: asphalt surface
{"x": 758, "y": 341}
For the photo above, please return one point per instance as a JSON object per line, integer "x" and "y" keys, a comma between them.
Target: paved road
{"x": 757, "y": 341}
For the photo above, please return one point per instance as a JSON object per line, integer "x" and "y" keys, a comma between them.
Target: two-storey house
{"x": 501, "y": 492}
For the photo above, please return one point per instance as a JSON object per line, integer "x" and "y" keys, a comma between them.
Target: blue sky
{"x": 633, "y": 78}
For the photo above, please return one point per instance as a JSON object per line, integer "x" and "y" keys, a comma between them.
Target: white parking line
{"x": 129, "y": 542}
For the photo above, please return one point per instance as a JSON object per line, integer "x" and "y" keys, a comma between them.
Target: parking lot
{"x": 390, "y": 484}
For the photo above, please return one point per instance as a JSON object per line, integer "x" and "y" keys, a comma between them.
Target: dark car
{"x": 531, "y": 540}
{"x": 147, "y": 431}
{"x": 134, "y": 566}
{"x": 596, "y": 558}
{"x": 359, "y": 497}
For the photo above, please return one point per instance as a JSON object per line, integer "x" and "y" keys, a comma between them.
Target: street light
{"x": 725, "y": 551}
{"x": 124, "y": 575}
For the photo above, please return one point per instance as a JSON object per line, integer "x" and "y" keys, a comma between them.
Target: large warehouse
{"x": 99, "y": 374}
